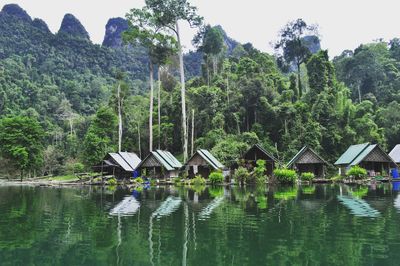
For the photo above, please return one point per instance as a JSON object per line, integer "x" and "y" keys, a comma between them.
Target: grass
{"x": 64, "y": 178}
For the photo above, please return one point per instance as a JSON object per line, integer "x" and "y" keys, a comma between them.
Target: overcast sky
{"x": 344, "y": 24}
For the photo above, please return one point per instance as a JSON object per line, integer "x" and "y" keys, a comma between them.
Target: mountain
{"x": 114, "y": 29}
{"x": 70, "y": 25}
{"x": 39, "y": 66}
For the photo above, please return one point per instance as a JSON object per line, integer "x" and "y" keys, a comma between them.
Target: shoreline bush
{"x": 216, "y": 177}
{"x": 357, "y": 172}
{"x": 285, "y": 175}
{"x": 307, "y": 176}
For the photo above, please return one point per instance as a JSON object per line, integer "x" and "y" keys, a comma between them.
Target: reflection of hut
{"x": 160, "y": 164}
{"x": 395, "y": 154}
{"x": 121, "y": 164}
{"x": 202, "y": 163}
{"x": 368, "y": 156}
{"x": 257, "y": 152}
{"x": 307, "y": 160}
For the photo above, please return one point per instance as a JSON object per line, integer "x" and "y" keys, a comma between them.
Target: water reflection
{"x": 275, "y": 225}
{"x": 127, "y": 207}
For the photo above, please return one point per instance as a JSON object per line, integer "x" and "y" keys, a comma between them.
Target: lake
{"x": 301, "y": 225}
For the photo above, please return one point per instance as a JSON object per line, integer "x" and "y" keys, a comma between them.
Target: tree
{"x": 292, "y": 47}
{"x": 99, "y": 137}
{"x": 168, "y": 13}
{"x": 21, "y": 142}
{"x": 210, "y": 41}
{"x": 144, "y": 30}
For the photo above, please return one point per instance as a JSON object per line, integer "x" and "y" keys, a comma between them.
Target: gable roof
{"x": 129, "y": 161}
{"x": 355, "y": 154}
{"x": 131, "y": 158}
{"x": 395, "y": 154}
{"x": 165, "y": 158}
{"x": 260, "y": 148}
{"x": 301, "y": 152}
{"x": 209, "y": 158}
{"x": 351, "y": 153}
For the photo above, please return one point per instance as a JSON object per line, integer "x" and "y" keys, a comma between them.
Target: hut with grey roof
{"x": 120, "y": 165}
{"x": 308, "y": 161}
{"x": 203, "y": 163}
{"x": 395, "y": 154}
{"x": 160, "y": 164}
{"x": 368, "y": 156}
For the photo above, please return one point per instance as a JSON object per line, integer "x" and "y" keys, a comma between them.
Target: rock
{"x": 114, "y": 29}
{"x": 41, "y": 25}
{"x": 313, "y": 43}
{"x": 17, "y": 11}
{"x": 72, "y": 26}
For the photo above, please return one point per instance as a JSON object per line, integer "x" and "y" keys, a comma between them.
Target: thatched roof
{"x": 307, "y": 156}
{"x": 259, "y": 148}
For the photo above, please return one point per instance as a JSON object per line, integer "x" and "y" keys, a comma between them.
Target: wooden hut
{"x": 307, "y": 160}
{"x": 368, "y": 156}
{"x": 160, "y": 164}
{"x": 202, "y": 163}
{"x": 121, "y": 164}
{"x": 257, "y": 152}
{"x": 395, "y": 154}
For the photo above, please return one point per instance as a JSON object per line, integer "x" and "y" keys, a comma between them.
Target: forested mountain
{"x": 238, "y": 95}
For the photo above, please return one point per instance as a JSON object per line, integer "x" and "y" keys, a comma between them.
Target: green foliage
{"x": 286, "y": 193}
{"x": 112, "y": 182}
{"x": 138, "y": 180}
{"x": 21, "y": 142}
{"x": 177, "y": 181}
{"x": 360, "y": 192}
{"x": 216, "y": 177}
{"x": 285, "y": 175}
{"x": 241, "y": 175}
{"x": 100, "y": 138}
{"x": 259, "y": 172}
{"x": 357, "y": 172}
{"x": 198, "y": 181}
{"x": 307, "y": 176}
{"x": 74, "y": 167}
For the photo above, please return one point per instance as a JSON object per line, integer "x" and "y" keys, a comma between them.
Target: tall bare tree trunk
{"x": 119, "y": 118}
{"x": 151, "y": 107}
{"x": 192, "y": 146}
{"x": 140, "y": 148}
{"x": 183, "y": 95}
{"x": 159, "y": 108}
{"x": 299, "y": 81}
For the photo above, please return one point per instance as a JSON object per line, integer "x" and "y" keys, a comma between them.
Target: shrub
{"x": 259, "y": 172}
{"x": 357, "y": 172}
{"x": 307, "y": 176}
{"x": 112, "y": 181}
{"x": 216, "y": 177}
{"x": 241, "y": 175}
{"x": 177, "y": 181}
{"x": 97, "y": 180}
{"x": 73, "y": 168}
{"x": 285, "y": 175}
{"x": 198, "y": 181}
{"x": 138, "y": 180}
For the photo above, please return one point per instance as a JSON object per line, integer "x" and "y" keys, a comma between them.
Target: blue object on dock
{"x": 395, "y": 173}
{"x": 135, "y": 173}
{"x": 396, "y": 186}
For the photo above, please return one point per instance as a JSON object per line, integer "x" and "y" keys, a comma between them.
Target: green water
{"x": 319, "y": 225}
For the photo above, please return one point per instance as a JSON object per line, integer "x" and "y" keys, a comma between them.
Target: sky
{"x": 343, "y": 24}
